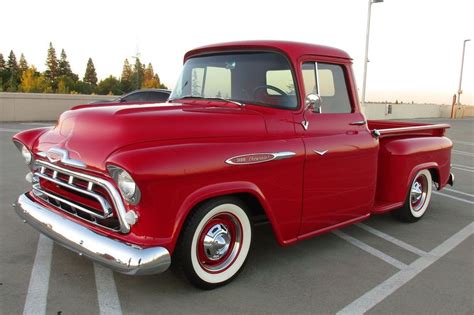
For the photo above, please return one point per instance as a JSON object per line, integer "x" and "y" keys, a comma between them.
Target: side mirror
{"x": 313, "y": 102}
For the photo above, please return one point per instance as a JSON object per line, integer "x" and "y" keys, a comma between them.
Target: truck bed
{"x": 406, "y": 147}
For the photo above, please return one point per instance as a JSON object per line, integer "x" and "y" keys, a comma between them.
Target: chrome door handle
{"x": 358, "y": 123}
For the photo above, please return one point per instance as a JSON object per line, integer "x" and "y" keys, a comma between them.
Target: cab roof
{"x": 292, "y": 49}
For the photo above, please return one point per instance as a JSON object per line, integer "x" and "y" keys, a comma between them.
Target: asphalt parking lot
{"x": 382, "y": 266}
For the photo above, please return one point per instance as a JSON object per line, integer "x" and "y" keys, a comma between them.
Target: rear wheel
{"x": 418, "y": 198}
{"x": 215, "y": 243}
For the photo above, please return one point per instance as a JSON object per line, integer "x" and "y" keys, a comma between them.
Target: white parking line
{"x": 463, "y": 142}
{"x": 392, "y": 239}
{"x": 463, "y": 166}
{"x": 107, "y": 295}
{"x": 459, "y": 192}
{"x": 10, "y": 130}
{"x": 369, "y": 249}
{"x": 37, "y": 295}
{"x": 37, "y": 124}
{"x": 453, "y": 197}
{"x": 463, "y": 169}
{"x": 389, "y": 286}
{"x": 462, "y": 152}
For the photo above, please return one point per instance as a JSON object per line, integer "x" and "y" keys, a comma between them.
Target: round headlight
{"x": 126, "y": 185}
{"x": 26, "y": 154}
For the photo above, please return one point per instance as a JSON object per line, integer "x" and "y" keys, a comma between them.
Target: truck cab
{"x": 259, "y": 130}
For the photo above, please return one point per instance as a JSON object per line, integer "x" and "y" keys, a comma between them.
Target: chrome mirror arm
{"x": 313, "y": 102}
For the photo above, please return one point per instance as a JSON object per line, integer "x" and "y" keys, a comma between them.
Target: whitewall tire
{"x": 418, "y": 197}
{"x": 215, "y": 242}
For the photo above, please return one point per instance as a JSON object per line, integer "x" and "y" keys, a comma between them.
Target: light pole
{"x": 460, "y": 76}
{"x": 366, "y": 59}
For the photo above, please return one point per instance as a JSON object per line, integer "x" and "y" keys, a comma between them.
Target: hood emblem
{"x": 255, "y": 158}
{"x": 55, "y": 155}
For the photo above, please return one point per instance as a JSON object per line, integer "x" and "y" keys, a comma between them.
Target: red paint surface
{"x": 176, "y": 153}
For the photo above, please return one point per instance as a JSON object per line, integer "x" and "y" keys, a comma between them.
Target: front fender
{"x": 223, "y": 189}
{"x": 175, "y": 177}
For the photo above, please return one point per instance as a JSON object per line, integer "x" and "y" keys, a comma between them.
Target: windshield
{"x": 263, "y": 78}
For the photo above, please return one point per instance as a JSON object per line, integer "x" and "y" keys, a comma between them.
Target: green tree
{"x": 3, "y": 72}
{"x": 13, "y": 73}
{"x": 51, "y": 72}
{"x": 23, "y": 64}
{"x": 110, "y": 85}
{"x": 150, "y": 78}
{"x": 64, "y": 68}
{"x": 32, "y": 81}
{"x": 126, "y": 77}
{"x": 138, "y": 73}
{"x": 90, "y": 77}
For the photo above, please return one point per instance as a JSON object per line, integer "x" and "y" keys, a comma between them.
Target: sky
{"x": 415, "y": 45}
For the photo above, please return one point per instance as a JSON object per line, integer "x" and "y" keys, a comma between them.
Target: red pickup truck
{"x": 260, "y": 130}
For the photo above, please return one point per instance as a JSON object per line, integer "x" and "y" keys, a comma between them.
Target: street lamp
{"x": 366, "y": 59}
{"x": 462, "y": 66}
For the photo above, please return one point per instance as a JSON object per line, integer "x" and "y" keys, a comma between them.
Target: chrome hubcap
{"x": 418, "y": 193}
{"x": 217, "y": 242}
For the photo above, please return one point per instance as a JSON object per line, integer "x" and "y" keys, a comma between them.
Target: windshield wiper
{"x": 208, "y": 98}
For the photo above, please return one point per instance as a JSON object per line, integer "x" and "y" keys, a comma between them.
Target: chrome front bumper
{"x": 119, "y": 256}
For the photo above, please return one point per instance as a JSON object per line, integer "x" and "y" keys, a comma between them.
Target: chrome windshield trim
{"x": 261, "y": 157}
{"x": 114, "y": 194}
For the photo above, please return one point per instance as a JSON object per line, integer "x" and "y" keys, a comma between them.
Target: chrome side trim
{"x": 117, "y": 255}
{"x": 114, "y": 194}
{"x": 321, "y": 152}
{"x": 255, "y": 158}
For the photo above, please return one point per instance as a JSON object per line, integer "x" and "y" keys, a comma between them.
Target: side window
{"x": 158, "y": 97}
{"x": 135, "y": 97}
{"x": 281, "y": 79}
{"x": 332, "y": 85}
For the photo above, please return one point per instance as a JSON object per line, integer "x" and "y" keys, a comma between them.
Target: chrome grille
{"x": 101, "y": 197}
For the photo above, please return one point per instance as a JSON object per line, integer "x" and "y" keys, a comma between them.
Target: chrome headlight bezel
{"x": 126, "y": 184}
{"x": 25, "y": 152}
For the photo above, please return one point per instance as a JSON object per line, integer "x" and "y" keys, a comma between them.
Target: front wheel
{"x": 418, "y": 198}
{"x": 215, "y": 243}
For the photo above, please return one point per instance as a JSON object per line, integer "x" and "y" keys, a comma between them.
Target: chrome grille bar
{"x": 103, "y": 203}
{"x": 73, "y": 205}
{"x": 113, "y": 193}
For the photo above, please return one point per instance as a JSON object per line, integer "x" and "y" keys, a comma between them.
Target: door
{"x": 341, "y": 154}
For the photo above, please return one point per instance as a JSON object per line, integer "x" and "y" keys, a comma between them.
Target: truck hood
{"x": 90, "y": 134}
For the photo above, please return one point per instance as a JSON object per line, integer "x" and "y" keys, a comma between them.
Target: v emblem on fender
{"x": 320, "y": 152}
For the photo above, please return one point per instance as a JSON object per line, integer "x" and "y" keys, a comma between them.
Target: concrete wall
{"x": 48, "y": 107}
{"x": 406, "y": 111}
{"x": 39, "y": 106}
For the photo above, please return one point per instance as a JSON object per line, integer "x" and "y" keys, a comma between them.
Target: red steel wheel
{"x": 215, "y": 243}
